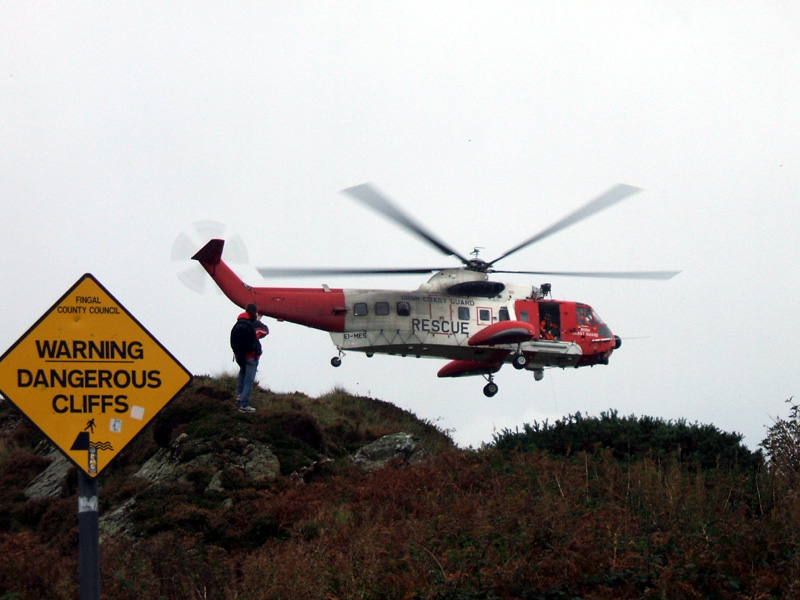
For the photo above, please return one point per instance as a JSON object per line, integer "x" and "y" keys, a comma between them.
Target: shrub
{"x": 703, "y": 446}
{"x": 782, "y": 446}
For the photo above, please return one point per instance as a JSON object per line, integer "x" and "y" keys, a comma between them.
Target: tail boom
{"x": 313, "y": 307}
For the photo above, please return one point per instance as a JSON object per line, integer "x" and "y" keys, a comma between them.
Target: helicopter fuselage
{"x": 423, "y": 324}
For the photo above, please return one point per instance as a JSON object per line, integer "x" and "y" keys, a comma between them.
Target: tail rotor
{"x": 189, "y": 241}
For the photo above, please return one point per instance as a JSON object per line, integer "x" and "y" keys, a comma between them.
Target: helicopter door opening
{"x": 550, "y": 322}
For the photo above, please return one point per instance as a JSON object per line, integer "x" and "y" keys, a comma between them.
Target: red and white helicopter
{"x": 458, "y": 314}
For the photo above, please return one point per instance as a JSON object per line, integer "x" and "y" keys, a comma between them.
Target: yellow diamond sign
{"x": 90, "y": 376}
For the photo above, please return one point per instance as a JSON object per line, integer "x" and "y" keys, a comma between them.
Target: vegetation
{"x": 695, "y": 445}
{"x": 587, "y": 507}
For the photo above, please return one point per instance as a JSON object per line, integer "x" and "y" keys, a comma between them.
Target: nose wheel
{"x": 490, "y": 389}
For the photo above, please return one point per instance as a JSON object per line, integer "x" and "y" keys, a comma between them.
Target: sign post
{"x": 91, "y": 377}
{"x": 88, "y": 538}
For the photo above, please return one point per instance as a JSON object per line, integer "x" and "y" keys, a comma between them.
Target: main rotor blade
{"x": 370, "y": 196}
{"x": 609, "y": 198}
{"x": 304, "y": 272}
{"x": 602, "y": 274}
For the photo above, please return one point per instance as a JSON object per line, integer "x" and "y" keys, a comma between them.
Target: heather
{"x": 586, "y": 507}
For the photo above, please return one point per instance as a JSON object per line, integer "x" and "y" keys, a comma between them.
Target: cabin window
{"x": 484, "y": 315}
{"x": 382, "y": 308}
{"x": 524, "y": 317}
{"x": 360, "y": 309}
{"x": 463, "y": 313}
{"x": 403, "y": 309}
{"x": 504, "y": 314}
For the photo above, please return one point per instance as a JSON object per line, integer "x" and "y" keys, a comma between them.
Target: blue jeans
{"x": 244, "y": 386}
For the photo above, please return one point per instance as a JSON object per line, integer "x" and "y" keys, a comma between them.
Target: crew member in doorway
{"x": 246, "y": 337}
{"x": 547, "y": 330}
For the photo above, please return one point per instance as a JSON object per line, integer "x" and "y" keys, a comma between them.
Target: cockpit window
{"x": 584, "y": 315}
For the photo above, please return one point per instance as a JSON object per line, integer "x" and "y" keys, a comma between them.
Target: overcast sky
{"x": 125, "y": 124}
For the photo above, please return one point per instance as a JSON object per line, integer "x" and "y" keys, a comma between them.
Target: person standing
{"x": 246, "y": 345}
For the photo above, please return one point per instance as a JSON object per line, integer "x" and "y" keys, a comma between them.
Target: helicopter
{"x": 459, "y": 314}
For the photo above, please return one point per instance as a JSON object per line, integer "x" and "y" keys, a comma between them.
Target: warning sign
{"x": 90, "y": 376}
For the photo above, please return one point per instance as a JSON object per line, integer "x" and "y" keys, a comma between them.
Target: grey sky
{"x": 124, "y": 124}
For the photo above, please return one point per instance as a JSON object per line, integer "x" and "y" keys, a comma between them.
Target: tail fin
{"x": 211, "y": 253}
{"x": 210, "y": 257}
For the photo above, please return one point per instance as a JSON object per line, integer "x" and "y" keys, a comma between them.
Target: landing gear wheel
{"x": 519, "y": 361}
{"x": 490, "y": 389}
{"x": 336, "y": 361}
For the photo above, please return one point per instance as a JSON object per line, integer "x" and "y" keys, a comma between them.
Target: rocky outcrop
{"x": 396, "y": 446}
{"x": 241, "y": 462}
{"x": 254, "y": 460}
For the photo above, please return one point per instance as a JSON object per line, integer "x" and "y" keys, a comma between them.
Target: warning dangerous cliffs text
{"x": 112, "y": 384}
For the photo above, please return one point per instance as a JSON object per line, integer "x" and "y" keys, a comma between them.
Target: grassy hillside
{"x": 568, "y": 510}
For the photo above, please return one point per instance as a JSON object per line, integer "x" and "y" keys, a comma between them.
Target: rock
{"x": 162, "y": 467}
{"x": 314, "y": 470}
{"x": 260, "y": 464}
{"x": 116, "y": 523}
{"x": 50, "y": 482}
{"x": 215, "y": 485}
{"x": 401, "y": 446}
